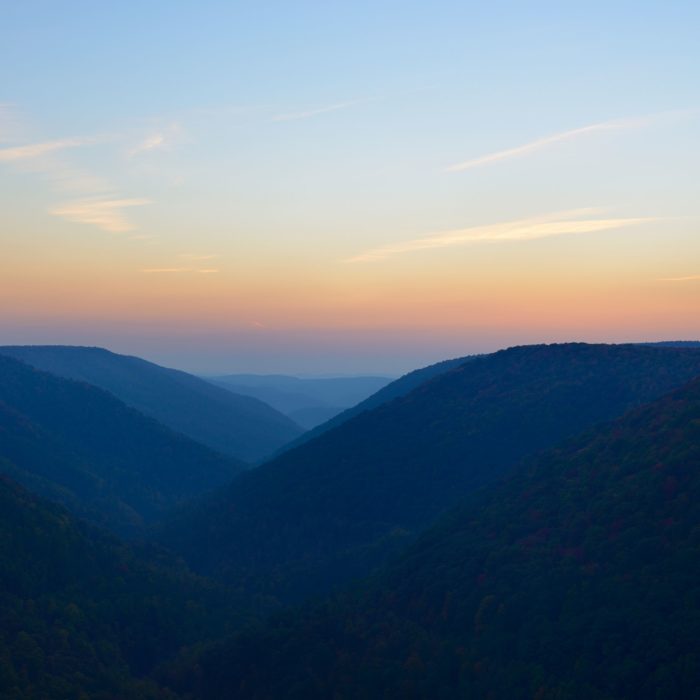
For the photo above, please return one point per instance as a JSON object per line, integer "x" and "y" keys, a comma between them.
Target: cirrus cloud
{"x": 547, "y": 226}
{"x": 106, "y": 214}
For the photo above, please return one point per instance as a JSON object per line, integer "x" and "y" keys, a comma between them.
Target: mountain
{"x": 677, "y": 343}
{"x": 236, "y": 425}
{"x": 394, "y": 390}
{"x": 83, "y": 615}
{"x": 74, "y": 443}
{"x": 345, "y": 502}
{"x": 574, "y": 579}
{"x": 307, "y": 401}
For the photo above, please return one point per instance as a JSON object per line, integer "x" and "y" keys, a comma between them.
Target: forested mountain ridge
{"x": 83, "y": 615}
{"x": 74, "y": 443}
{"x": 240, "y": 426}
{"x": 344, "y": 503}
{"x": 393, "y": 390}
{"x": 576, "y": 578}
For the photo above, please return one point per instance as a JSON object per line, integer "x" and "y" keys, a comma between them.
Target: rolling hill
{"x": 74, "y": 443}
{"x": 345, "y": 502}
{"x": 240, "y": 426}
{"x": 574, "y": 579}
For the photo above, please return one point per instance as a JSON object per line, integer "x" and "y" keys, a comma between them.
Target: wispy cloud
{"x": 36, "y": 150}
{"x": 97, "y": 203}
{"x": 687, "y": 278}
{"x": 107, "y": 214}
{"x": 539, "y": 144}
{"x": 160, "y": 140}
{"x": 557, "y": 224}
{"x": 315, "y": 112}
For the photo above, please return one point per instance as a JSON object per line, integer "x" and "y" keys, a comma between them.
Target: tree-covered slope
{"x": 343, "y": 503}
{"x": 577, "y": 578}
{"x": 241, "y": 426}
{"x": 393, "y": 390}
{"x": 84, "y": 616}
{"x": 77, "y": 444}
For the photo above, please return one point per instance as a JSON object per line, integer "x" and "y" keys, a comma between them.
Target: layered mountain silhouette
{"x": 394, "y": 390}
{"x": 307, "y": 401}
{"x": 77, "y": 444}
{"x": 575, "y": 578}
{"x": 240, "y": 426}
{"x": 345, "y": 502}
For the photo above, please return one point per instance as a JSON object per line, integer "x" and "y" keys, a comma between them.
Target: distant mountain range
{"x": 236, "y": 425}
{"x": 576, "y": 578}
{"x": 344, "y": 502}
{"x": 79, "y": 445}
{"x": 307, "y": 401}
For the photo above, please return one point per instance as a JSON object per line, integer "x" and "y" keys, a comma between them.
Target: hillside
{"x": 575, "y": 579}
{"x": 240, "y": 426}
{"x": 308, "y": 401}
{"x": 85, "y": 616}
{"x": 346, "y": 501}
{"x": 74, "y": 443}
{"x": 394, "y": 390}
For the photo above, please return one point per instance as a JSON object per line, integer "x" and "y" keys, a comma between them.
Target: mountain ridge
{"x": 240, "y": 426}
{"x": 334, "y": 508}
{"x": 575, "y": 578}
{"x": 77, "y": 444}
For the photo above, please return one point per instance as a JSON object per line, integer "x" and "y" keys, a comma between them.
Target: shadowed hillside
{"x": 575, "y": 579}
{"x": 344, "y": 502}
{"x": 241, "y": 426}
{"x": 85, "y": 616}
{"x": 394, "y": 390}
{"x": 77, "y": 444}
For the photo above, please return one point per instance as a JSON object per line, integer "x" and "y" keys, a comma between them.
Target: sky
{"x": 339, "y": 188}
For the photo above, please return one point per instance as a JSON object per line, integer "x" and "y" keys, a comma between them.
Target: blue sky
{"x": 347, "y": 186}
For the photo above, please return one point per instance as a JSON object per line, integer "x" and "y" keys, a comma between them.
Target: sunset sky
{"x": 327, "y": 187}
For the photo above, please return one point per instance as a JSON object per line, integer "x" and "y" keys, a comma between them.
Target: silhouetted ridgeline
{"x": 241, "y": 426}
{"x": 575, "y": 579}
{"x": 79, "y": 445}
{"x": 343, "y": 503}
{"x": 394, "y": 390}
